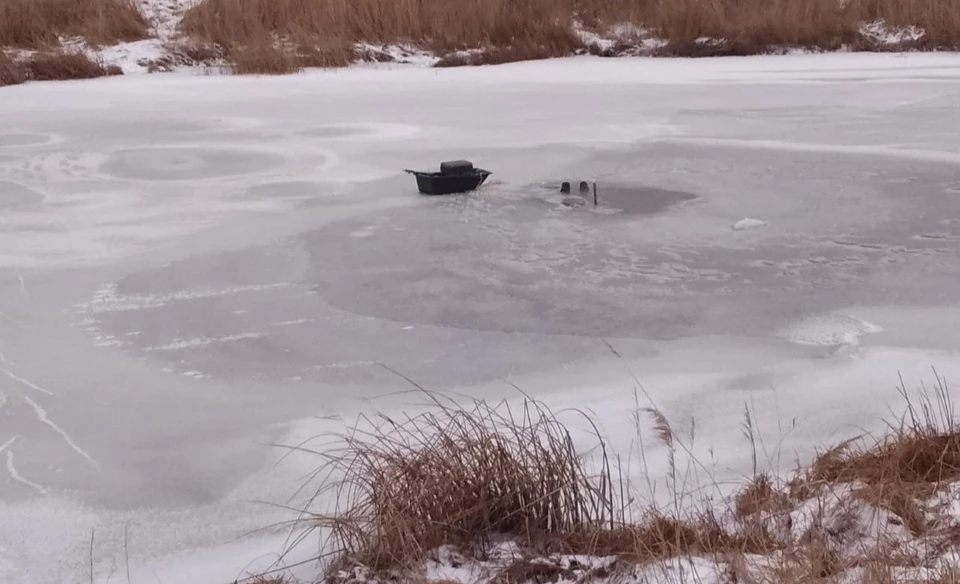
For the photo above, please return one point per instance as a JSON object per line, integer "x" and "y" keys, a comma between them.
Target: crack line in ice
{"x": 293, "y": 322}
{"x": 7, "y": 444}
{"x": 201, "y": 342}
{"x": 23, "y": 285}
{"x": 5, "y": 317}
{"x": 12, "y": 469}
{"x": 107, "y": 300}
{"x": 26, "y": 382}
{"x": 43, "y": 417}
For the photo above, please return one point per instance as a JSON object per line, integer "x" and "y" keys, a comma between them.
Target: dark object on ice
{"x": 456, "y": 167}
{"x": 574, "y": 201}
{"x": 584, "y": 187}
{"x": 595, "y": 201}
{"x": 455, "y": 176}
{"x": 564, "y": 187}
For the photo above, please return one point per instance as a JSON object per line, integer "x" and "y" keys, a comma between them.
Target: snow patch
{"x": 202, "y": 342}
{"x": 829, "y": 330}
{"x": 107, "y": 300}
{"x": 748, "y": 223}
{"x": 402, "y": 54}
{"x": 884, "y": 34}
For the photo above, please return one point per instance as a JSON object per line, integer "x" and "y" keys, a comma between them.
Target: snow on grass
{"x": 861, "y": 508}
{"x": 886, "y": 35}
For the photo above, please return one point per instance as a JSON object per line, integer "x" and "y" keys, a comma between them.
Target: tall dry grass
{"x": 40, "y": 23}
{"x": 399, "y": 489}
{"x": 11, "y": 72}
{"x": 440, "y": 24}
{"x": 528, "y": 29}
{"x": 66, "y": 66}
{"x": 452, "y": 476}
{"x": 52, "y": 66}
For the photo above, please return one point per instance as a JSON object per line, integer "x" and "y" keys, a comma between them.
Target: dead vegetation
{"x": 65, "y": 66}
{"x": 53, "y": 66}
{"x": 455, "y": 477}
{"x": 11, "y": 72}
{"x": 475, "y": 32}
{"x": 397, "y": 490}
{"x": 39, "y": 24}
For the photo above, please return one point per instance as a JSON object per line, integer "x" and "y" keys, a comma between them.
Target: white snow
{"x": 884, "y": 34}
{"x": 748, "y": 223}
{"x": 830, "y": 329}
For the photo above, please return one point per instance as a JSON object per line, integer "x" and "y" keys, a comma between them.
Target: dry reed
{"x": 11, "y": 72}
{"x": 38, "y": 24}
{"x": 919, "y": 454}
{"x": 534, "y": 29}
{"x": 457, "y": 476}
{"x": 63, "y": 66}
{"x": 400, "y": 489}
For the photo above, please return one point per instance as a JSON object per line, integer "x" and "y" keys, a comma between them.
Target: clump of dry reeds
{"x": 509, "y": 31}
{"x": 11, "y": 72}
{"x": 918, "y": 455}
{"x": 499, "y": 31}
{"x": 63, "y": 66}
{"x": 39, "y": 24}
{"x": 263, "y": 58}
{"x": 464, "y": 476}
{"x": 439, "y": 24}
{"x": 457, "y": 476}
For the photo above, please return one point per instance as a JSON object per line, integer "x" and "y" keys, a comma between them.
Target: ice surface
{"x": 191, "y": 266}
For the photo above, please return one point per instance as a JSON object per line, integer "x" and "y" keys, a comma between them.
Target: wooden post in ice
{"x": 595, "y": 202}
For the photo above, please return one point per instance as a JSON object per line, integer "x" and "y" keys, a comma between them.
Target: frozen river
{"x": 191, "y": 266}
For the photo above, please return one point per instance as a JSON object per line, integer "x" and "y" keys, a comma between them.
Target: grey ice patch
{"x": 16, "y": 195}
{"x": 184, "y": 163}
{"x": 287, "y": 190}
{"x": 334, "y": 131}
{"x": 640, "y": 199}
{"x": 625, "y": 198}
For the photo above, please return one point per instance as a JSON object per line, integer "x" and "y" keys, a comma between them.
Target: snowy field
{"x": 193, "y": 268}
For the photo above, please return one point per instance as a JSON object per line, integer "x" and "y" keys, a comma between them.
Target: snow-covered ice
{"x": 192, "y": 268}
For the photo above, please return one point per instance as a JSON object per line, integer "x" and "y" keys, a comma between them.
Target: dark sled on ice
{"x": 456, "y": 176}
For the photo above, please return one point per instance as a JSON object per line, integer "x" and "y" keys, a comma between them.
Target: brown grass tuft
{"x": 526, "y": 571}
{"x": 456, "y": 476}
{"x": 38, "y": 24}
{"x": 11, "y": 72}
{"x": 67, "y": 66}
{"x": 404, "y": 488}
{"x": 263, "y": 58}
{"x": 760, "y": 496}
{"x": 919, "y": 454}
